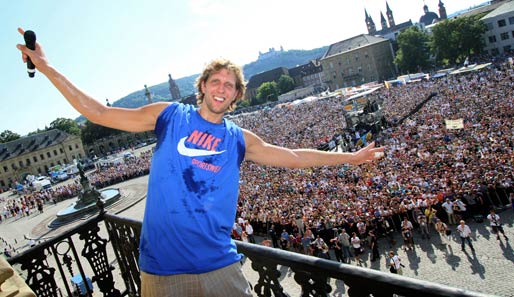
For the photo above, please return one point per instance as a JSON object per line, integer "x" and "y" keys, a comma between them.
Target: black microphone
{"x": 30, "y": 42}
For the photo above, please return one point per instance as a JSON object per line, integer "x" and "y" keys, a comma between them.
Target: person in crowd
{"x": 496, "y": 225}
{"x": 408, "y": 241}
{"x": 465, "y": 235}
{"x": 357, "y": 247}
{"x": 374, "y": 246}
{"x": 395, "y": 263}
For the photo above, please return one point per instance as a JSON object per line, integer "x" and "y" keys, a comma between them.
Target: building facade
{"x": 499, "y": 37}
{"x": 358, "y": 60}
{"x": 257, "y": 80}
{"x": 309, "y": 74}
{"x": 36, "y": 154}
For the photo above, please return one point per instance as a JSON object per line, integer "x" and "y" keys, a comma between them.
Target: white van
{"x": 41, "y": 183}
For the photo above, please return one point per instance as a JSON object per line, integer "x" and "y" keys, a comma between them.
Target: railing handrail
{"x": 398, "y": 284}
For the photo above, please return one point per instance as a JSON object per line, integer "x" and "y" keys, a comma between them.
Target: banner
{"x": 454, "y": 124}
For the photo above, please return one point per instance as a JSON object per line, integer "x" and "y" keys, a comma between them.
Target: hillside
{"x": 161, "y": 91}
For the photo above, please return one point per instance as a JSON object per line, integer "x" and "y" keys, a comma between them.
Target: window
{"x": 48, "y": 154}
{"x": 55, "y": 152}
{"x": 507, "y": 49}
{"x": 495, "y": 51}
{"x": 27, "y": 161}
{"x": 2, "y": 183}
{"x": 52, "y": 164}
{"x": 41, "y": 157}
{"x": 512, "y": 34}
{"x": 20, "y": 163}
{"x": 6, "y": 169}
{"x": 76, "y": 146}
{"x": 489, "y": 26}
{"x": 34, "y": 158}
{"x": 39, "y": 170}
{"x": 61, "y": 150}
{"x": 492, "y": 39}
{"x": 504, "y": 35}
{"x": 69, "y": 146}
{"x": 511, "y": 21}
{"x": 64, "y": 161}
{"x": 502, "y": 23}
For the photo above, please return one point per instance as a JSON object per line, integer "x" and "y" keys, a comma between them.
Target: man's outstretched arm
{"x": 133, "y": 120}
{"x": 263, "y": 153}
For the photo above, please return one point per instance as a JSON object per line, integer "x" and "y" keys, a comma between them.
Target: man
{"x": 465, "y": 233}
{"x": 249, "y": 231}
{"x": 374, "y": 246}
{"x": 448, "y": 208}
{"x": 344, "y": 238}
{"x": 408, "y": 241}
{"x": 496, "y": 225}
{"x": 185, "y": 247}
{"x": 395, "y": 263}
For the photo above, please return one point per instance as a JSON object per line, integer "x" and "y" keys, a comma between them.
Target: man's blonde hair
{"x": 215, "y": 66}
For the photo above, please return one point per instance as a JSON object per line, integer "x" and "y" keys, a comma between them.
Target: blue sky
{"x": 113, "y": 48}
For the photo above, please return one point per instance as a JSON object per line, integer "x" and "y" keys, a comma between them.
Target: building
{"x": 36, "y": 154}
{"x": 309, "y": 74}
{"x": 358, "y": 60}
{"x": 390, "y": 29}
{"x": 499, "y": 37}
{"x": 113, "y": 143}
{"x": 258, "y": 79}
{"x": 174, "y": 90}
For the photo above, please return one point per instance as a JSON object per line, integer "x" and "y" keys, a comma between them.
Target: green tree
{"x": 455, "y": 39}
{"x": 266, "y": 92}
{"x": 8, "y": 135}
{"x": 413, "y": 50}
{"x": 67, "y": 125}
{"x": 285, "y": 84}
{"x": 92, "y": 132}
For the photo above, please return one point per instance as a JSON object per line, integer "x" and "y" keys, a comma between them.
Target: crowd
{"x": 429, "y": 174}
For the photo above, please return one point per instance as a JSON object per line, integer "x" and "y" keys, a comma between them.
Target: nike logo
{"x": 189, "y": 152}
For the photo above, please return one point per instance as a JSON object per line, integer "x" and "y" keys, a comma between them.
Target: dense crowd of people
{"x": 430, "y": 173}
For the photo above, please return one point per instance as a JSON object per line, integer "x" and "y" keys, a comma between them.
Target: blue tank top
{"x": 192, "y": 194}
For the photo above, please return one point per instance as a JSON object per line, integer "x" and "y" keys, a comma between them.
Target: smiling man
{"x": 186, "y": 248}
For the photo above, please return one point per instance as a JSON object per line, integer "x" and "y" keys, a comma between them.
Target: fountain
{"x": 89, "y": 201}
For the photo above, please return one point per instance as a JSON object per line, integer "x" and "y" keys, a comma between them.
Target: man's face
{"x": 220, "y": 91}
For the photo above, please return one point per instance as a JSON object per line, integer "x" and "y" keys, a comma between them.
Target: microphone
{"x": 30, "y": 42}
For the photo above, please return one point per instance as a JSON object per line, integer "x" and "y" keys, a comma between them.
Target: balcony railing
{"x": 82, "y": 251}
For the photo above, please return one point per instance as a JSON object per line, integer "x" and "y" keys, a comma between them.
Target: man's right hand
{"x": 37, "y": 56}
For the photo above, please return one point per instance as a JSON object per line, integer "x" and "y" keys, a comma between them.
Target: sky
{"x": 110, "y": 49}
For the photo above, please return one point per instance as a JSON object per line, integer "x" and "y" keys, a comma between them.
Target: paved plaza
{"x": 489, "y": 270}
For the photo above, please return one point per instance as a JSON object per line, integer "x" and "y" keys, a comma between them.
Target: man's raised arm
{"x": 133, "y": 120}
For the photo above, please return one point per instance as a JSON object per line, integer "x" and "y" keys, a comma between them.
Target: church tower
{"x": 442, "y": 11}
{"x": 174, "y": 90}
{"x": 383, "y": 21}
{"x": 370, "y": 24}
{"x": 390, "y": 17}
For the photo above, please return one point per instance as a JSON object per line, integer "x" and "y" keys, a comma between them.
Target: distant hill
{"x": 160, "y": 92}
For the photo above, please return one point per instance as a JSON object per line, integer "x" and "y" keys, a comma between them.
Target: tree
{"x": 413, "y": 50}
{"x": 67, "y": 125}
{"x": 266, "y": 92}
{"x": 455, "y": 39}
{"x": 8, "y": 135}
{"x": 92, "y": 132}
{"x": 285, "y": 84}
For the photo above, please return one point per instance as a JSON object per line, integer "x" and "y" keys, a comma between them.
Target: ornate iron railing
{"x": 39, "y": 264}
